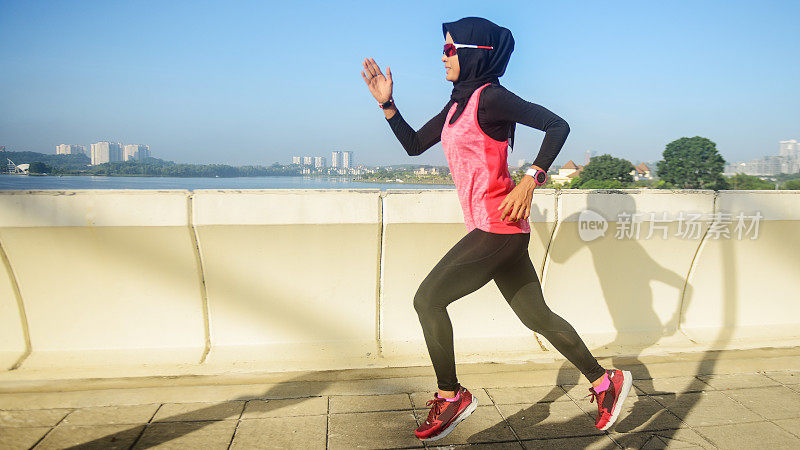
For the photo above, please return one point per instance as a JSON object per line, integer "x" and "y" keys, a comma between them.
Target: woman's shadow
{"x": 624, "y": 270}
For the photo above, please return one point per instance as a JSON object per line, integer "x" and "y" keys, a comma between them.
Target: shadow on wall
{"x": 643, "y": 412}
{"x": 630, "y": 302}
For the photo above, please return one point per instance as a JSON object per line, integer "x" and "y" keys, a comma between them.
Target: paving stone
{"x": 504, "y": 396}
{"x": 32, "y": 417}
{"x": 13, "y": 438}
{"x": 91, "y": 436}
{"x": 485, "y": 424}
{"x": 548, "y": 420}
{"x": 591, "y": 442}
{"x": 738, "y": 381}
{"x": 638, "y": 440}
{"x": 369, "y": 403}
{"x": 790, "y": 425}
{"x": 674, "y": 385}
{"x": 785, "y": 377}
{"x": 639, "y": 414}
{"x": 259, "y": 409}
{"x": 385, "y": 429}
{"x": 706, "y": 408}
{"x": 295, "y": 432}
{"x": 111, "y": 415}
{"x": 776, "y": 402}
{"x": 182, "y": 435}
{"x": 418, "y": 399}
{"x": 683, "y": 438}
{"x": 187, "y": 412}
{"x": 750, "y": 435}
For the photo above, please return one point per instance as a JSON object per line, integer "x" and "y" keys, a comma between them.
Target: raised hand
{"x": 379, "y": 85}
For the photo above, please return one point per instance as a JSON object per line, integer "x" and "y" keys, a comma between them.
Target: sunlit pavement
{"x": 731, "y": 399}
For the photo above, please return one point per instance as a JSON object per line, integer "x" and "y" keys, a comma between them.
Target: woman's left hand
{"x": 517, "y": 204}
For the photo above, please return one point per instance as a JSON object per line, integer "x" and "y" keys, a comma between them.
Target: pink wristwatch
{"x": 539, "y": 175}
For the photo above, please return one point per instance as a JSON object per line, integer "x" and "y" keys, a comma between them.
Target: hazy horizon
{"x": 257, "y": 83}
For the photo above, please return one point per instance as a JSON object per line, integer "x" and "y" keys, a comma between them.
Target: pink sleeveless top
{"x": 479, "y": 169}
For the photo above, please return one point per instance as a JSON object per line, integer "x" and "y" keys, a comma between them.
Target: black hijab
{"x": 478, "y": 66}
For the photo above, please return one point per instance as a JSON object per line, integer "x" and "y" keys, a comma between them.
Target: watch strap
{"x": 537, "y": 174}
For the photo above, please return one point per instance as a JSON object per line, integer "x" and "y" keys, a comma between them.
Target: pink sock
{"x": 603, "y": 384}
{"x": 458, "y": 395}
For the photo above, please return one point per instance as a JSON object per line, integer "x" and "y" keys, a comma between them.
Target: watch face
{"x": 541, "y": 176}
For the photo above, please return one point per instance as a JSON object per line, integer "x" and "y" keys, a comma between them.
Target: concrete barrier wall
{"x": 291, "y": 276}
{"x": 105, "y": 277}
{"x": 746, "y": 285}
{"x": 323, "y": 279}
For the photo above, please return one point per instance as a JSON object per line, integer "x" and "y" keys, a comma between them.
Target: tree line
{"x": 41, "y": 163}
{"x": 689, "y": 163}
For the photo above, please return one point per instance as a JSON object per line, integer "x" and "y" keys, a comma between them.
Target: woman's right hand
{"x": 380, "y": 86}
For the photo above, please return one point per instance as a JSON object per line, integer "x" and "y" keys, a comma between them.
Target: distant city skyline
{"x": 786, "y": 161}
{"x": 254, "y": 83}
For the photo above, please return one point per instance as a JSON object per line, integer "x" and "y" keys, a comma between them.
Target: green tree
{"x": 692, "y": 163}
{"x": 791, "y": 184}
{"x": 38, "y": 167}
{"x": 603, "y": 170}
{"x": 742, "y": 181}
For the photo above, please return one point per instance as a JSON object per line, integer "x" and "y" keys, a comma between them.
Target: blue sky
{"x": 257, "y": 82}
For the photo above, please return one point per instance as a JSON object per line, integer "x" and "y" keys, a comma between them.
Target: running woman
{"x": 476, "y": 128}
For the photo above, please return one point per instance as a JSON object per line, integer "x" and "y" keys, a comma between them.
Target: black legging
{"x": 478, "y": 257}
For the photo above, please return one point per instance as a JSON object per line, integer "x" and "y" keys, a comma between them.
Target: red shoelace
{"x": 437, "y": 409}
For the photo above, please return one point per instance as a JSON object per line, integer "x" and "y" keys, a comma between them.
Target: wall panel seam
{"x": 23, "y": 316}
{"x": 201, "y": 275}
{"x": 692, "y": 266}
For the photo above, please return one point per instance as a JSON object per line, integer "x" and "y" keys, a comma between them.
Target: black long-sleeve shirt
{"x": 498, "y": 109}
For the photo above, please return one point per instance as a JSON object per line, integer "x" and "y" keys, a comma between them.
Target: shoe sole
{"x": 470, "y": 409}
{"x": 627, "y": 382}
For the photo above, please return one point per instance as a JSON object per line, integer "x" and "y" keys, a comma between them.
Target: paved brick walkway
{"x": 747, "y": 399}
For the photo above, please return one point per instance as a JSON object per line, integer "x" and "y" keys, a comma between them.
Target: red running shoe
{"x": 444, "y": 415}
{"x": 609, "y": 402}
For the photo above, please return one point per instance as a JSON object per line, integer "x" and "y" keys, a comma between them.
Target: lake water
{"x": 70, "y": 182}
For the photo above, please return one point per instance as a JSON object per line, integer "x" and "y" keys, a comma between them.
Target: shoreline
{"x": 401, "y": 182}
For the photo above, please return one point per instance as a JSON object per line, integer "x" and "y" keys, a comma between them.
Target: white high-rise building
{"x": 70, "y": 149}
{"x": 336, "y": 158}
{"x": 319, "y": 162}
{"x": 297, "y": 160}
{"x": 136, "y": 152}
{"x": 308, "y": 160}
{"x": 789, "y": 149}
{"x": 347, "y": 159}
{"x": 103, "y": 152}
